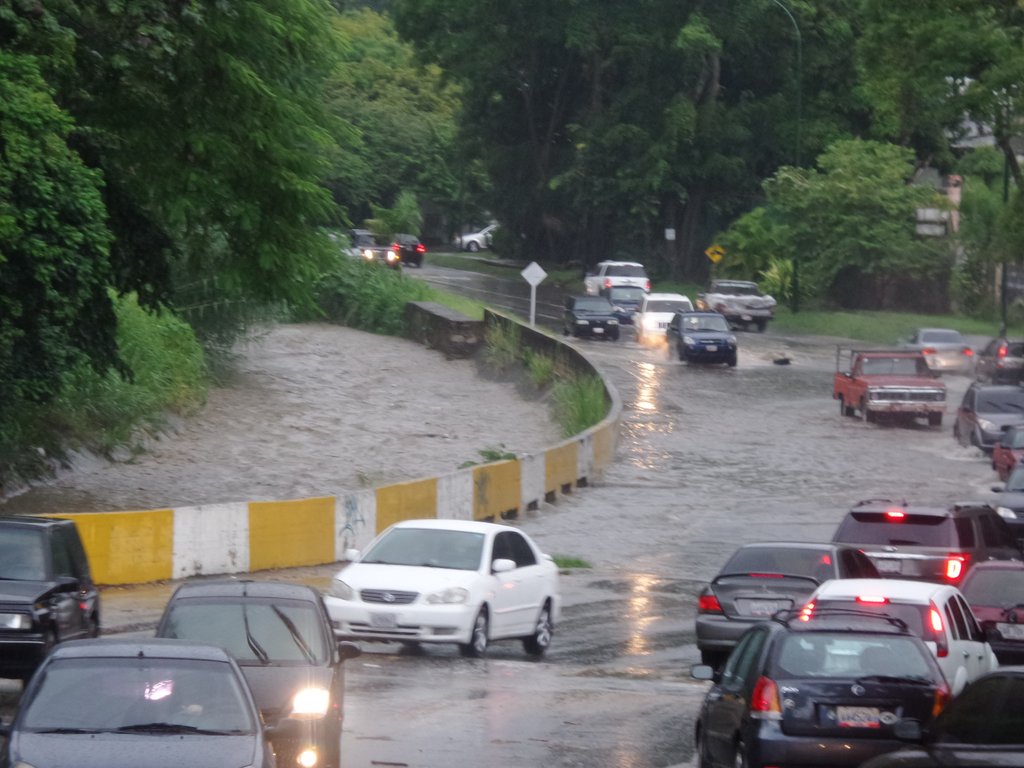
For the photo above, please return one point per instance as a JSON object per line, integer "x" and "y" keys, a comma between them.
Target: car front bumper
{"x": 401, "y": 623}
{"x": 700, "y": 352}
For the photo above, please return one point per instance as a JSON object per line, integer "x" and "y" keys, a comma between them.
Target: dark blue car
{"x": 626, "y": 301}
{"x": 702, "y": 337}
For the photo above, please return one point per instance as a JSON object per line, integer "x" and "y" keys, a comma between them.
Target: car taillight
{"x": 928, "y": 351}
{"x": 421, "y": 248}
{"x": 1002, "y": 352}
{"x": 647, "y": 286}
{"x": 708, "y": 604}
{"x": 872, "y": 599}
{"x": 895, "y": 514}
{"x": 938, "y": 631}
{"x": 764, "y": 701}
{"x": 956, "y": 566}
{"x": 807, "y": 611}
{"x": 968, "y": 352}
{"x": 941, "y": 699}
{"x": 396, "y": 247}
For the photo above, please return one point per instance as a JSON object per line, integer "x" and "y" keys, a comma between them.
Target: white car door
{"x": 967, "y": 657}
{"x": 518, "y": 598}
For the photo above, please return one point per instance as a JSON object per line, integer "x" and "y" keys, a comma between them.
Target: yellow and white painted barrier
{"x": 154, "y": 545}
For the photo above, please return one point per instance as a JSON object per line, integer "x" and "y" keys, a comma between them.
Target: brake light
{"x": 968, "y": 352}
{"x": 396, "y": 247}
{"x": 708, "y": 604}
{"x": 927, "y": 351}
{"x": 421, "y": 248}
{"x": 764, "y": 702}
{"x": 939, "y": 633}
{"x": 895, "y": 514}
{"x": 647, "y": 286}
{"x": 1002, "y": 351}
{"x": 956, "y": 565}
{"x": 807, "y": 611}
{"x": 607, "y": 282}
{"x": 765, "y": 575}
{"x": 826, "y": 560}
{"x": 872, "y": 599}
{"x": 941, "y": 699}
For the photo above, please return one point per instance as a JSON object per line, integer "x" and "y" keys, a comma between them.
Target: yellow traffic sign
{"x": 715, "y": 253}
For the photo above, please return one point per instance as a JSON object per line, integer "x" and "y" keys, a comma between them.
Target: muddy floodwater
{"x": 313, "y": 410}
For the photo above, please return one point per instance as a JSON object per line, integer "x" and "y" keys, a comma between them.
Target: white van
{"x": 655, "y": 313}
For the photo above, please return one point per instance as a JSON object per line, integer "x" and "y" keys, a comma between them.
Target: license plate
{"x": 767, "y": 607}
{"x": 857, "y": 717}
{"x": 383, "y": 620}
{"x": 889, "y": 566}
{"x": 599, "y": 330}
{"x": 1011, "y": 631}
{"x": 712, "y": 347}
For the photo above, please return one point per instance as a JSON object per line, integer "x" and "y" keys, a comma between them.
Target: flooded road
{"x": 709, "y": 458}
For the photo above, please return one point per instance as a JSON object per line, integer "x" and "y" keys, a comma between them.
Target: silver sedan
{"x": 945, "y": 350}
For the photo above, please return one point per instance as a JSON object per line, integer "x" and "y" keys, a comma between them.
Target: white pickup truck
{"x": 741, "y": 301}
{"x": 614, "y": 274}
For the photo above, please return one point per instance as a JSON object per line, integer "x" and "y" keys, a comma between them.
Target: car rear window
{"x": 22, "y": 555}
{"x": 1015, "y": 349}
{"x": 914, "y": 616}
{"x": 815, "y": 563}
{"x": 891, "y": 366}
{"x": 846, "y": 654}
{"x": 942, "y": 337}
{"x": 626, "y": 270}
{"x": 735, "y": 289}
{"x": 995, "y": 588}
{"x": 910, "y": 530}
{"x": 668, "y": 306}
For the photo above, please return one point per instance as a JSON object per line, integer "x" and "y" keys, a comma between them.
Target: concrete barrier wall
{"x": 154, "y": 545}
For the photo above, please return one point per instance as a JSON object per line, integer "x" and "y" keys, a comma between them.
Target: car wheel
{"x": 614, "y": 336}
{"x": 92, "y": 627}
{"x": 865, "y": 414}
{"x": 477, "y": 645}
{"x": 740, "y": 758}
{"x": 934, "y": 419}
{"x": 700, "y": 749}
{"x": 956, "y": 431}
{"x": 732, "y": 361}
{"x": 842, "y": 406}
{"x": 761, "y": 325}
{"x": 682, "y": 354}
{"x": 537, "y": 643}
{"x": 472, "y": 246}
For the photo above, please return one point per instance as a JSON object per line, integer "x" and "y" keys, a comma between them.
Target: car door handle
{"x": 966, "y": 654}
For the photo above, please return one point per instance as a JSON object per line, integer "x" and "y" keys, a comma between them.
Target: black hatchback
{"x": 592, "y": 316}
{"x": 823, "y": 693}
{"x": 281, "y": 636}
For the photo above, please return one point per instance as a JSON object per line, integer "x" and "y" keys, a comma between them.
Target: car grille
{"x": 388, "y": 596}
{"x": 911, "y": 395}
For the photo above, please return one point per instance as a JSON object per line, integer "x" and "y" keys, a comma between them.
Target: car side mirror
{"x": 702, "y": 672}
{"x": 348, "y": 650}
{"x": 503, "y": 565}
{"x": 998, "y": 488}
{"x": 908, "y": 730}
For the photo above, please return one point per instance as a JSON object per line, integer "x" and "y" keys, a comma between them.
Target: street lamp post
{"x": 799, "y": 89}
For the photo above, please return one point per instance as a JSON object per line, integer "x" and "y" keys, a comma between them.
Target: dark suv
{"x": 47, "y": 594}
{"x": 927, "y": 543}
{"x": 985, "y": 411}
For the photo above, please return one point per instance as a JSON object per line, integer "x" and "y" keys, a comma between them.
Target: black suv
{"x": 827, "y": 692}
{"x": 47, "y": 594}
{"x": 927, "y": 543}
{"x": 592, "y": 316}
{"x": 281, "y": 636}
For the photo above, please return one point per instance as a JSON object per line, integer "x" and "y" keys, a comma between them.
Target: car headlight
{"x": 15, "y": 621}
{"x": 731, "y": 340}
{"x": 310, "y": 703}
{"x": 450, "y": 596}
{"x": 613, "y": 321}
{"x": 986, "y": 425}
{"x": 650, "y": 322}
{"x": 368, "y": 254}
{"x": 1006, "y": 513}
{"x": 582, "y": 322}
{"x": 341, "y": 590}
{"x": 689, "y": 340}
{"x": 392, "y": 256}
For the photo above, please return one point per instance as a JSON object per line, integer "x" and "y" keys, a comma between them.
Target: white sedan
{"x": 448, "y": 581}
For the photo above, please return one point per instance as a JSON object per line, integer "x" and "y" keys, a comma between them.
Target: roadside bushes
{"x": 363, "y": 295}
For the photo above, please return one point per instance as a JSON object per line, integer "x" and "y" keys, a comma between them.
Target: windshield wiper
{"x": 165, "y": 728}
{"x": 67, "y": 730}
{"x": 257, "y": 649}
{"x": 895, "y": 679}
{"x": 296, "y": 635}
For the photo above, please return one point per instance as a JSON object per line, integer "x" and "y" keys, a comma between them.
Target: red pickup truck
{"x": 884, "y": 382}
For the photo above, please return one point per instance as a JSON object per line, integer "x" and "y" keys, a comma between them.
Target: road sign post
{"x": 534, "y": 274}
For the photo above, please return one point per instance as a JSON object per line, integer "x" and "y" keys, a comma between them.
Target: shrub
{"x": 579, "y": 403}
{"x": 541, "y": 368}
{"x": 503, "y": 346}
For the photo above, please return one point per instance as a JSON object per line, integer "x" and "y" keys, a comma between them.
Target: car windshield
{"x": 908, "y": 530}
{"x": 593, "y": 304}
{"x": 1015, "y": 482}
{"x": 1001, "y": 402}
{"x": 139, "y": 695}
{"x": 1001, "y": 587}
{"x": 22, "y": 555}
{"x": 625, "y": 270}
{"x": 795, "y": 561}
{"x": 891, "y": 366}
{"x": 846, "y": 655}
{"x": 668, "y": 306}
{"x": 736, "y": 289}
{"x": 253, "y": 631}
{"x": 434, "y": 548}
{"x": 705, "y": 323}
{"x": 941, "y": 337}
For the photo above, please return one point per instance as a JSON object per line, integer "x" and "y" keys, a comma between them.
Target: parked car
{"x": 1008, "y": 451}
{"x": 1001, "y": 361}
{"x": 592, "y": 316}
{"x": 820, "y": 693}
{"x": 1010, "y": 502}
{"x": 625, "y": 301}
{"x": 477, "y": 241}
{"x": 995, "y": 592}
{"x": 374, "y": 248}
{"x": 47, "y": 594}
{"x": 125, "y": 703}
{"x": 927, "y": 543}
{"x": 701, "y": 337}
{"x": 758, "y": 580}
{"x": 410, "y": 250}
{"x": 944, "y": 349}
{"x": 609, "y": 274}
{"x": 281, "y": 637}
{"x": 985, "y": 411}
{"x": 741, "y": 301}
{"x": 983, "y": 727}
{"x": 448, "y": 581}
{"x": 656, "y": 310}
{"x": 937, "y": 613}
